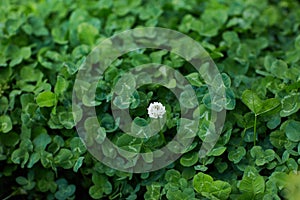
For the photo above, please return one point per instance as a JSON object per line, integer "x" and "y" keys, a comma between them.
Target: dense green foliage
{"x": 254, "y": 43}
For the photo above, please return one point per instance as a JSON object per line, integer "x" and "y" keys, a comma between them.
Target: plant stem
{"x": 161, "y": 133}
{"x": 19, "y": 191}
{"x": 254, "y": 133}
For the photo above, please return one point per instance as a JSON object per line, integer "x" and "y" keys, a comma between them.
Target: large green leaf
{"x": 206, "y": 186}
{"x": 252, "y": 183}
{"x": 268, "y": 105}
{"x": 252, "y": 101}
{"x": 256, "y": 105}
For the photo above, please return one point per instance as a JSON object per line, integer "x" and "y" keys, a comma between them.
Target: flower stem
{"x": 160, "y": 132}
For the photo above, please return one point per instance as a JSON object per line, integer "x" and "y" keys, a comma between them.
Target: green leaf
{"x": 65, "y": 191}
{"x": 3, "y": 105}
{"x": 268, "y": 105}
{"x": 278, "y": 139}
{"x": 102, "y": 186}
{"x": 5, "y": 74}
{"x": 230, "y": 99}
{"x": 206, "y": 186}
{"x": 172, "y": 175}
{"x": 61, "y": 85}
{"x": 59, "y": 33}
{"x": 41, "y": 141}
{"x": 188, "y": 99}
{"x": 64, "y": 155}
{"x": 78, "y": 164}
{"x": 252, "y": 184}
{"x": 292, "y": 130}
{"x": 153, "y": 191}
{"x": 46, "y": 99}
{"x": 211, "y": 23}
{"x": 21, "y": 180}
{"x": 25, "y": 52}
{"x": 252, "y": 101}
{"x": 29, "y": 76}
{"x": 237, "y": 154}
{"x": 262, "y": 157}
{"x": 66, "y": 119}
{"x": 37, "y": 25}
{"x": 77, "y": 146}
{"x": 189, "y": 159}
{"x": 279, "y": 68}
{"x": 185, "y": 194}
{"x": 93, "y": 130}
{"x": 19, "y": 156}
{"x": 10, "y": 139}
{"x": 230, "y": 37}
{"x": 34, "y": 158}
{"x": 217, "y": 151}
{"x": 87, "y": 33}
{"x": 141, "y": 128}
{"x": 5, "y": 124}
{"x": 46, "y": 159}
{"x": 96, "y": 192}
{"x": 194, "y": 79}
{"x": 122, "y": 8}
{"x": 290, "y": 105}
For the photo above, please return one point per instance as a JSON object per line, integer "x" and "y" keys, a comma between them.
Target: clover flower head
{"x": 156, "y": 110}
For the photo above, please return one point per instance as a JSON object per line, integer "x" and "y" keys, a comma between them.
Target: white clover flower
{"x": 156, "y": 110}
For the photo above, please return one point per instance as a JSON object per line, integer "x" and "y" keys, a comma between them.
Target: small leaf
{"x": 189, "y": 159}
{"x": 279, "y": 68}
{"x": 194, "y": 79}
{"x": 62, "y": 156}
{"x": 172, "y": 175}
{"x": 102, "y": 186}
{"x": 46, "y": 99}
{"x": 5, "y": 124}
{"x": 96, "y": 192}
{"x": 290, "y": 105}
{"x": 292, "y": 130}
{"x": 217, "y": 151}
{"x": 19, "y": 156}
{"x": 87, "y": 33}
{"x": 61, "y": 85}
{"x": 153, "y": 191}
{"x": 188, "y": 98}
{"x": 65, "y": 191}
{"x": 78, "y": 164}
{"x": 77, "y": 146}
{"x": 278, "y": 139}
{"x": 21, "y": 180}
{"x": 41, "y": 141}
{"x": 236, "y": 155}
{"x": 34, "y": 158}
